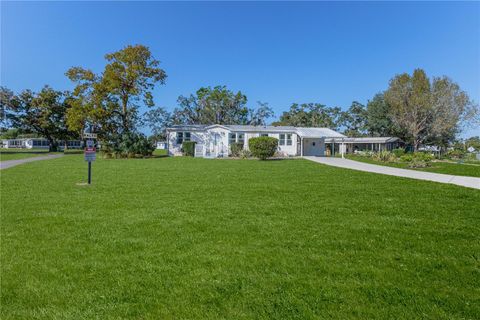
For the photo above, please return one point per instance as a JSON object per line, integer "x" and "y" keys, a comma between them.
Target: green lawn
{"x": 183, "y": 238}
{"x": 15, "y": 154}
{"x": 458, "y": 169}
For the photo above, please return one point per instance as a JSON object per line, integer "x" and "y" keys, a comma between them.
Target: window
{"x": 289, "y": 139}
{"x": 183, "y": 136}
{"x": 281, "y": 141}
{"x": 232, "y": 138}
{"x": 263, "y": 134}
{"x": 236, "y": 137}
{"x": 179, "y": 137}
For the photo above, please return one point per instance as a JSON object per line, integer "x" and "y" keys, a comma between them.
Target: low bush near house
{"x": 188, "y": 148}
{"x": 406, "y": 157}
{"x": 263, "y": 147}
{"x": 245, "y": 154}
{"x": 423, "y": 156}
{"x": 398, "y": 152}
{"x": 235, "y": 149}
{"x": 384, "y": 156}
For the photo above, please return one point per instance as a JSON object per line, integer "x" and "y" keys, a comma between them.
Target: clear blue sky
{"x": 276, "y": 52}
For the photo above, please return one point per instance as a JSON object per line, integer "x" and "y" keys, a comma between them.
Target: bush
{"x": 235, "y": 149}
{"x": 406, "y": 157}
{"x": 423, "y": 156}
{"x": 398, "y": 152}
{"x": 188, "y": 148}
{"x": 384, "y": 156}
{"x": 245, "y": 154}
{"x": 128, "y": 145}
{"x": 455, "y": 154}
{"x": 263, "y": 147}
{"x": 417, "y": 163}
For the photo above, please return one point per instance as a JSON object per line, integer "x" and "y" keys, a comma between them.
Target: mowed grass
{"x": 15, "y": 154}
{"x": 471, "y": 169}
{"x": 183, "y": 238}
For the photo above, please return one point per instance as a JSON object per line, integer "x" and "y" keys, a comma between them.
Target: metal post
{"x": 89, "y": 172}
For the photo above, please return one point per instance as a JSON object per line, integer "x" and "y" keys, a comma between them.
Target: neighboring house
{"x": 38, "y": 143}
{"x": 214, "y": 140}
{"x": 162, "y": 145}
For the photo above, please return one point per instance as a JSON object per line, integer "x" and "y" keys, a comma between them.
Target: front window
{"x": 289, "y": 139}
{"x": 281, "y": 141}
{"x": 183, "y": 136}
{"x": 263, "y": 134}
{"x": 236, "y": 137}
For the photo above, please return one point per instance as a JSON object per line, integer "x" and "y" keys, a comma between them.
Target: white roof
{"x": 370, "y": 140}
{"x": 318, "y": 133}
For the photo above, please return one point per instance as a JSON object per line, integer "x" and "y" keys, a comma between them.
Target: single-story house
{"x": 38, "y": 143}
{"x": 214, "y": 140}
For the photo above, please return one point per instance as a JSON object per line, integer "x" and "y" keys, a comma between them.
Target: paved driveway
{"x": 469, "y": 182}
{"x": 13, "y": 163}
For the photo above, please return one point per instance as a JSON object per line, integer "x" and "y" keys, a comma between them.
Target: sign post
{"x": 90, "y": 153}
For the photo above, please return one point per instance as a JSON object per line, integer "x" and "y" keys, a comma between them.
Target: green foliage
{"x": 110, "y": 100}
{"x": 354, "y": 120}
{"x": 418, "y": 163}
{"x": 311, "y": 115}
{"x": 245, "y": 154}
{"x": 456, "y": 154}
{"x": 408, "y": 157}
{"x": 236, "y": 148}
{"x": 423, "y": 156}
{"x": 128, "y": 145}
{"x": 384, "y": 156}
{"x": 398, "y": 152}
{"x": 219, "y": 105}
{"x": 188, "y": 148}
{"x": 10, "y": 133}
{"x": 263, "y": 147}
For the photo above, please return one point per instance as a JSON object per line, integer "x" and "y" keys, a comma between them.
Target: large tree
{"x": 354, "y": 120}
{"x": 378, "y": 119}
{"x": 311, "y": 115}
{"x": 111, "y": 99}
{"x": 41, "y": 113}
{"x": 219, "y": 105}
{"x": 428, "y": 110}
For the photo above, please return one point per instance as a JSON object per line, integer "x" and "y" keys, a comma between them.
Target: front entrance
{"x": 313, "y": 147}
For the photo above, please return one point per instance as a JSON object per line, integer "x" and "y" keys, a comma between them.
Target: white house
{"x": 214, "y": 140}
{"x": 38, "y": 143}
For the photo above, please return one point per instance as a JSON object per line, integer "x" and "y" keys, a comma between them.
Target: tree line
{"x": 415, "y": 108}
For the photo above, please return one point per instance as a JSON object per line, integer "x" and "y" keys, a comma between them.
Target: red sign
{"x": 90, "y": 150}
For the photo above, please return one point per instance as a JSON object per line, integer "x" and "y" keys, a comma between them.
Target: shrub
{"x": 263, "y": 147}
{"x": 128, "y": 145}
{"x": 455, "y": 154}
{"x": 406, "y": 157}
{"x": 417, "y": 163}
{"x": 188, "y": 148}
{"x": 235, "y": 149}
{"x": 384, "y": 156}
{"x": 244, "y": 154}
{"x": 423, "y": 156}
{"x": 398, "y": 152}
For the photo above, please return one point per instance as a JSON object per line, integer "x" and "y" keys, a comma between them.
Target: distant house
{"x": 215, "y": 140}
{"x": 38, "y": 143}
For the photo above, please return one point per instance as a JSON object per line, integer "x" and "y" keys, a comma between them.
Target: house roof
{"x": 318, "y": 133}
{"x": 369, "y": 140}
{"x": 301, "y": 131}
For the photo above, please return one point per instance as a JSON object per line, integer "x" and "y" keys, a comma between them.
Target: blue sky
{"x": 276, "y": 52}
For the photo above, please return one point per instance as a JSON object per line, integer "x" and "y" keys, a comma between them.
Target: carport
{"x": 312, "y": 140}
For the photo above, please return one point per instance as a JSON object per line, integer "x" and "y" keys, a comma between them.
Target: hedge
{"x": 263, "y": 147}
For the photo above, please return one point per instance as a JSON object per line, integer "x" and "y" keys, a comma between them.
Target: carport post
{"x": 301, "y": 146}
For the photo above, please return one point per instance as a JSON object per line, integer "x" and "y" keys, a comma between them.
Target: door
{"x": 313, "y": 147}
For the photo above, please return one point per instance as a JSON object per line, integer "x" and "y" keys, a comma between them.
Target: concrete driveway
{"x": 13, "y": 163}
{"x": 469, "y": 182}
